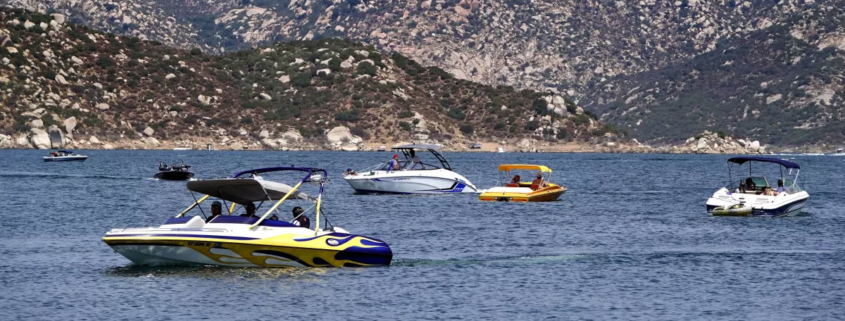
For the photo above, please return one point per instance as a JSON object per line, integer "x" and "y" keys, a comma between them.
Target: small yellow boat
{"x": 519, "y": 191}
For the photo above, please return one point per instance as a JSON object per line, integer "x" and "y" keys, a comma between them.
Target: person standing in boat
{"x": 299, "y": 219}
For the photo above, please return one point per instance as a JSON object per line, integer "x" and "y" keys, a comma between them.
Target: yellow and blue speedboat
{"x": 540, "y": 190}
{"x": 250, "y": 241}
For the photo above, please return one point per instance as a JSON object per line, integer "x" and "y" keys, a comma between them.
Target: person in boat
{"x": 741, "y": 188}
{"x": 349, "y": 171}
{"x": 394, "y": 163}
{"x": 162, "y": 167}
{"x": 781, "y": 188}
{"x": 539, "y": 181}
{"x": 415, "y": 160}
{"x": 250, "y": 210}
{"x": 216, "y": 210}
{"x": 516, "y": 180}
{"x": 299, "y": 219}
{"x": 767, "y": 191}
{"x": 750, "y": 187}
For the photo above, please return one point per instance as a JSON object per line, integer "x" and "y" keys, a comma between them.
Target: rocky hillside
{"x": 782, "y": 85}
{"x": 527, "y": 44}
{"x": 82, "y": 86}
{"x": 581, "y": 48}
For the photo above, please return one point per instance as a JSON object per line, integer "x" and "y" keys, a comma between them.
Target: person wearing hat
{"x": 349, "y": 171}
{"x": 299, "y": 219}
{"x": 394, "y": 163}
{"x": 216, "y": 209}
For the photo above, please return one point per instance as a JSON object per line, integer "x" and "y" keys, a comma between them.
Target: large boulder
{"x": 60, "y": 18}
{"x": 269, "y": 143}
{"x": 149, "y": 131}
{"x": 103, "y": 106}
{"x": 5, "y": 141}
{"x": 22, "y": 141}
{"x": 754, "y": 146}
{"x": 263, "y": 134}
{"x": 702, "y": 143}
{"x": 292, "y": 136}
{"x": 342, "y": 134}
{"x": 94, "y": 140}
{"x": 61, "y": 80}
{"x": 39, "y": 138}
{"x": 70, "y": 124}
{"x": 38, "y": 123}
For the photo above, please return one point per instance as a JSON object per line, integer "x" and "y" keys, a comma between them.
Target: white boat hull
{"x": 64, "y": 158}
{"x": 761, "y": 205}
{"x": 410, "y": 182}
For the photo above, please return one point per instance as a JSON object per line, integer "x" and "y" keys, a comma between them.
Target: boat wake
{"x": 510, "y": 260}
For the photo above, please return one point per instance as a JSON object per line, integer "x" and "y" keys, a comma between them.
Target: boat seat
{"x": 512, "y": 185}
{"x": 186, "y": 222}
{"x": 232, "y": 219}
{"x": 535, "y": 187}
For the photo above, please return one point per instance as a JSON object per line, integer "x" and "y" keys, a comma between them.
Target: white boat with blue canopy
{"x": 757, "y": 194}
{"x": 411, "y": 175}
{"x": 248, "y": 240}
{"x": 64, "y": 156}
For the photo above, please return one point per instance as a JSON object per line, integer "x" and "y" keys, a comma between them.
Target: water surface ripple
{"x": 629, "y": 240}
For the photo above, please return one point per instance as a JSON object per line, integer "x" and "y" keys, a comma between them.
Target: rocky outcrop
{"x": 713, "y": 143}
{"x": 39, "y": 138}
{"x": 342, "y": 135}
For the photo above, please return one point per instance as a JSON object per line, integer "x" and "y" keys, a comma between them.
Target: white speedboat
{"x": 759, "y": 195}
{"x": 412, "y": 176}
{"x": 248, "y": 240}
{"x": 64, "y": 156}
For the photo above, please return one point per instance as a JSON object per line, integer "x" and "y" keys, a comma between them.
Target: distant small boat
{"x": 500, "y": 150}
{"x": 182, "y": 148}
{"x": 64, "y": 156}
{"x": 382, "y": 148}
{"x": 175, "y": 173}
{"x": 475, "y": 146}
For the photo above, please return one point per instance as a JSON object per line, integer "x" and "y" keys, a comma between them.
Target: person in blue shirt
{"x": 781, "y": 189}
{"x": 394, "y": 163}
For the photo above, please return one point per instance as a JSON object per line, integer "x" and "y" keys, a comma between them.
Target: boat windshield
{"x": 761, "y": 174}
{"x": 522, "y": 178}
{"x": 411, "y": 159}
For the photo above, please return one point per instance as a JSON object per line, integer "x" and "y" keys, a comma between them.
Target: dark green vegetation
{"x": 769, "y": 85}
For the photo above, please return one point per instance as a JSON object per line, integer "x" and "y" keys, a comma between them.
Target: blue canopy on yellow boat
{"x": 510, "y": 167}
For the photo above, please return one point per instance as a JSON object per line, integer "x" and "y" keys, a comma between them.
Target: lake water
{"x": 629, "y": 240}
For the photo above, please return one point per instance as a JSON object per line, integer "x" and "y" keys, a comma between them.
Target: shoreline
{"x": 706, "y": 143}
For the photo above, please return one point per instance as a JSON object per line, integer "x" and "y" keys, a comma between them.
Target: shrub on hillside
{"x": 466, "y": 129}
{"x": 532, "y": 125}
{"x": 301, "y": 79}
{"x": 351, "y": 116}
{"x": 366, "y": 68}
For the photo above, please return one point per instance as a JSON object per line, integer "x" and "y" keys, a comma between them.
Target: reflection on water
{"x": 215, "y": 272}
